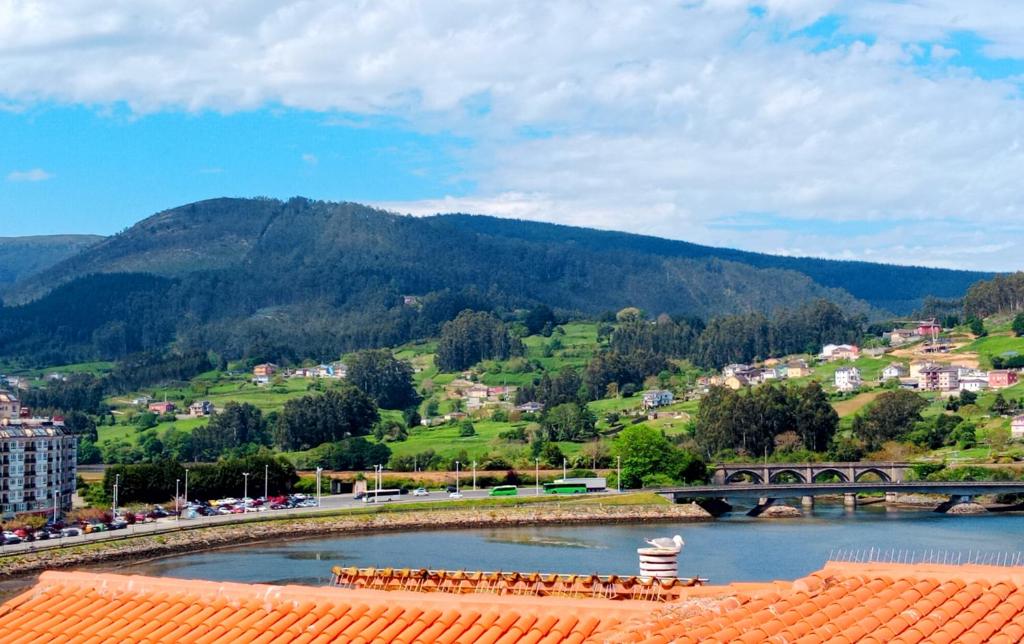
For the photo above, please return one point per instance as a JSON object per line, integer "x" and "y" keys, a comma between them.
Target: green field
{"x": 994, "y": 345}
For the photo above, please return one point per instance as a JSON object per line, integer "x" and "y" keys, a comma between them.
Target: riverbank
{"x": 384, "y": 520}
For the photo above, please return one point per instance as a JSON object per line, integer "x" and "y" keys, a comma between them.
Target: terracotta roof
{"x": 843, "y": 602}
{"x": 614, "y": 587}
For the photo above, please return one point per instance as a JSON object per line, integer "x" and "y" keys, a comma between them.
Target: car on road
{"x": 10, "y": 539}
{"x": 451, "y": 488}
{"x": 420, "y": 491}
{"x": 70, "y": 532}
{"x": 455, "y": 495}
{"x": 41, "y": 535}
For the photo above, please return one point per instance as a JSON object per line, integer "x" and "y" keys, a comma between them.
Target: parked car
{"x": 70, "y": 532}
{"x": 41, "y": 535}
{"x": 10, "y": 539}
{"x": 117, "y": 524}
{"x": 420, "y": 491}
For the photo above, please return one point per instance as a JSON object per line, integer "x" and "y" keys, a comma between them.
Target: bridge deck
{"x": 785, "y": 490}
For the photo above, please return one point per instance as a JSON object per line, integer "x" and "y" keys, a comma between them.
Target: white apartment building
{"x": 37, "y": 465}
{"x": 847, "y": 378}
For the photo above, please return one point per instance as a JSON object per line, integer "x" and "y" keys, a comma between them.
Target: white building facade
{"x": 39, "y": 461}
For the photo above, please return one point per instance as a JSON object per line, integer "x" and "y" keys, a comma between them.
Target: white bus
{"x": 378, "y": 496}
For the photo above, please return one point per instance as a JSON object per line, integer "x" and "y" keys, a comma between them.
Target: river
{"x": 736, "y": 548}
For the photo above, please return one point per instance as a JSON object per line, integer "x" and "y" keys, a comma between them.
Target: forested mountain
{"x": 265, "y": 278}
{"x": 897, "y": 289}
{"x": 21, "y": 257}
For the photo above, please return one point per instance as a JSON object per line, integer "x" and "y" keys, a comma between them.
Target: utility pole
{"x": 266, "y": 482}
{"x": 117, "y": 482}
{"x": 565, "y": 462}
{"x": 245, "y": 490}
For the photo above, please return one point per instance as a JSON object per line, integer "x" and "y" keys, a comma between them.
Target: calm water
{"x": 731, "y": 549}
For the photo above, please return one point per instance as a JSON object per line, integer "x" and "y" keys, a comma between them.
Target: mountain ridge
{"x": 319, "y": 277}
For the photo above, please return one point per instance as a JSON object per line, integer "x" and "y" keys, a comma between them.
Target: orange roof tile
{"x": 840, "y": 603}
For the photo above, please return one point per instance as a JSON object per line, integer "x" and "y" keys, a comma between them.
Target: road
{"x": 173, "y": 524}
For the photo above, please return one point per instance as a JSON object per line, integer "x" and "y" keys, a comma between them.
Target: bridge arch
{"x": 830, "y": 471}
{"x": 881, "y": 474}
{"x": 778, "y": 475}
{"x": 738, "y": 475}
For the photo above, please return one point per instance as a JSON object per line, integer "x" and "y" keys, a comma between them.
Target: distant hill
{"x": 21, "y": 257}
{"x": 261, "y": 276}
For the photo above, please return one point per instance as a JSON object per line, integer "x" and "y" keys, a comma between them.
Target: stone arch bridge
{"x": 807, "y": 473}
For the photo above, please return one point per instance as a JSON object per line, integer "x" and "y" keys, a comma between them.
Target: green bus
{"x": 565, "y": 488}
{"x": 505, "y": 490}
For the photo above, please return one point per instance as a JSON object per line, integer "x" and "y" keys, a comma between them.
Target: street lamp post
{"x": 117, "y": 482}
{"x": 536, "y": 475}
{"x": 266, "y": 482}
{"x": 456, "y": 477}
{"x": 318, "y": 471}
{"x": 565, "y": 462}
{"x": 177, "y": 507}
{"x": 56, "y": 502}
{"x": 245, "y": 490}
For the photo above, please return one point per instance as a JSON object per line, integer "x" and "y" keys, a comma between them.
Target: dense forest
{"x": 24, "y": 256}
{"x": 265, "y": 279}
{"x": 1001, "y": 294}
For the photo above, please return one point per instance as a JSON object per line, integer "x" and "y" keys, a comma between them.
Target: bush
{"x": 466, "y": 429}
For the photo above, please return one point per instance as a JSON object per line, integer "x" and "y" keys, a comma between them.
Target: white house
{"x": 847, "y": 378}
{"x": 973, "y": 384}
{"x": 657, "y": 398}
{"x": 1017, "y": 427}
{"x": 832, "y": 352}
{"x": 733, "y": 369}
{"x": 895, "y": 370}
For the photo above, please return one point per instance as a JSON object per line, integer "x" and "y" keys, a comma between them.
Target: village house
{"x": 1017, "y": 427}
{"x": 265, "y": 369}
{"x": 797, "y": 369}
{"x": 847, "y": 378}
{"x": 530, "y": 407}
{"x": 733, "y": 369}
{"x": 973, "y": 384}
{"x": 939, "y": 378}
{"x": 656, "y": 398}
{"x": 457, "y": 388}
{"x": 899, "y": 337}
{"x": 142, "y": 401}
{"x": 162, "y": 407}
{"x": 771, "y": 373}
{"x": 737, "y": 381}
{"x": 894, "y": 370}
{"x": 200, "y": 408}
{"x": 832, "y": 352}
{"x": 1001, "y": 378}
{"x": 10, "y": 406}
{"x": 928, "y": 328}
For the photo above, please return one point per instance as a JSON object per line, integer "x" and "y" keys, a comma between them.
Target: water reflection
{"x": 737, "y": 548}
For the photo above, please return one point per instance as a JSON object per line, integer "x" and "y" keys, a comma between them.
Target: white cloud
{"x": 658, "y": 117}
{"x": 35, "y": 174}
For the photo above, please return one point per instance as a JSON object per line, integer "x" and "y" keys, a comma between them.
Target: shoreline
{"x": 152, "y": 547}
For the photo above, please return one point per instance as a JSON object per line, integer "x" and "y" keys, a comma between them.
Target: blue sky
{"x": 875, "y": 129}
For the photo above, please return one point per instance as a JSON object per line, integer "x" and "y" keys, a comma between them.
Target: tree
{"x": 1000, "y": 406}
{"x": 645, "y": 452}
{"x": 466, "y": 429}
{"x": 890, "y": 417}
{"x": 384, "y": 377}
{"x": 538, "y": 318}
{"x": 977, "y": 327}
{"x": 816, "y": 419}
{"x": 1018, "y": 325}
{"x": 569, "y": 422}
{"x": 474, "y": 336}
{"x": 337, "y": 414}
{"x": 232, "y": 427}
